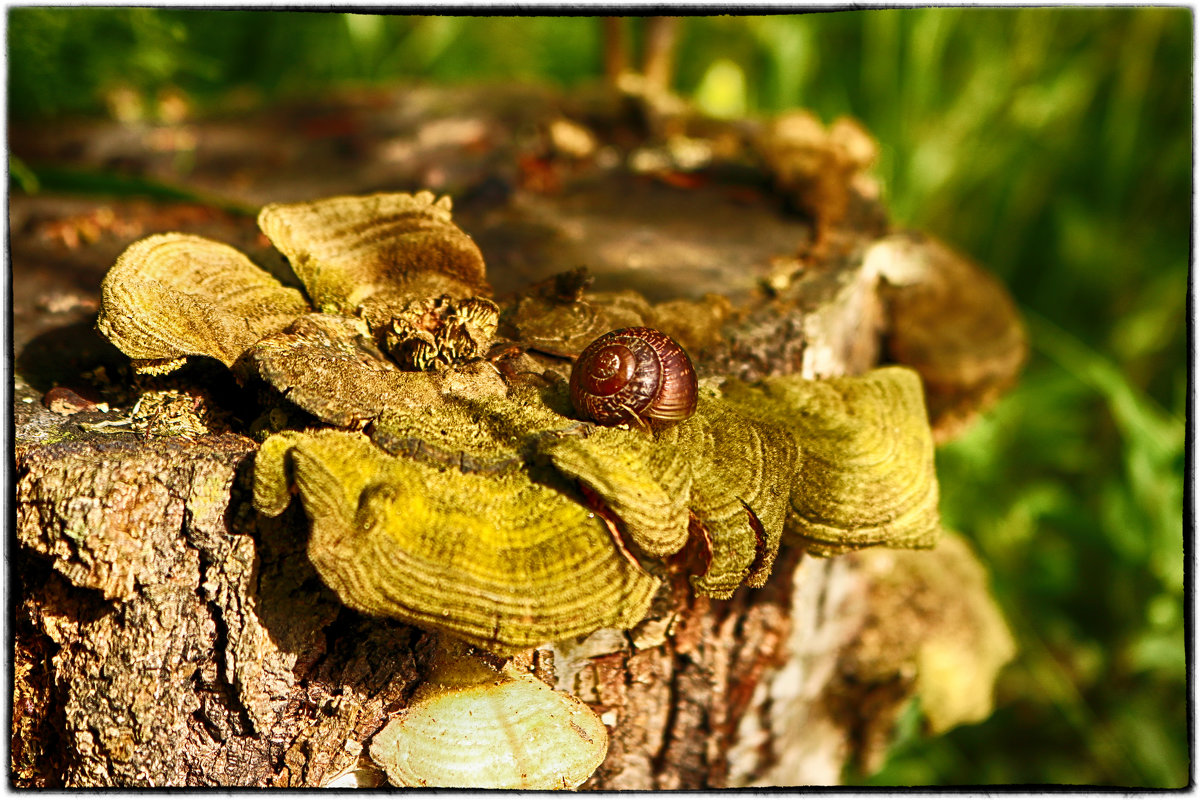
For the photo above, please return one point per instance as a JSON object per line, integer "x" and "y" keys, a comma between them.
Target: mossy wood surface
{"x": 166, "y": 634}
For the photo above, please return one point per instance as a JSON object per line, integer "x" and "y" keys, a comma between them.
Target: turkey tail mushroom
{"x": 864, "y": 466}
{"x": 174, "y": 295}
{"x": 495, "y": 559}
{"x": 376, "y": 252}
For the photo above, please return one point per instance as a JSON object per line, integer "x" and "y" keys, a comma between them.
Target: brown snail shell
{"x": 634, "y": 375}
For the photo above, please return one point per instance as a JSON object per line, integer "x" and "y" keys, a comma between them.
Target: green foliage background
{"x": 1053, "y": 145}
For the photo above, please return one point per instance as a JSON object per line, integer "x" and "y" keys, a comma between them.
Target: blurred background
{"x": 1052, "y": 145}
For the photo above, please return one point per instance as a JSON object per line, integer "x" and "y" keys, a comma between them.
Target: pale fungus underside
{"x": 953, "y": 651}
{"x": 461, "y": 495}
{"x": 471, "y": 724}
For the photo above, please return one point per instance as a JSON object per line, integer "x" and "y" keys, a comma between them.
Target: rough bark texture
{"x": 167, "y": 635}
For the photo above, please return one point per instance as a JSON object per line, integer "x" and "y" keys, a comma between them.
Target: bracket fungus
{"x": 495, "y": 559}
{"x": 951, "y": 321}
{"x": 472, "y": 724}
{"x": 173, "y": 295}
{"x": 468, "y": 499}
{"x": 865, "y": 465}
{"x": 372, "y": 255}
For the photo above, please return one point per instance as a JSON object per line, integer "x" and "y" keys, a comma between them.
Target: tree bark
{"x": 168, "y": 635}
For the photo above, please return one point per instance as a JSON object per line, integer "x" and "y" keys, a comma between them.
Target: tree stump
{"x": 167, "y": 635}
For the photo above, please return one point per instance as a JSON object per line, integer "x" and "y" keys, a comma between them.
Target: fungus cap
{"x": 373, "y": 253}
{"x": 173, "y": 295}
{"x": 865, "y": 465}
{"x": 495, "y": 559}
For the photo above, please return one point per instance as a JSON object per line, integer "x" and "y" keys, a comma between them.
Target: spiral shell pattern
{"x": 634, "y": 375}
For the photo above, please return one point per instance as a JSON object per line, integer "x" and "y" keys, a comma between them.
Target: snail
{"x": 634, "y": 375}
